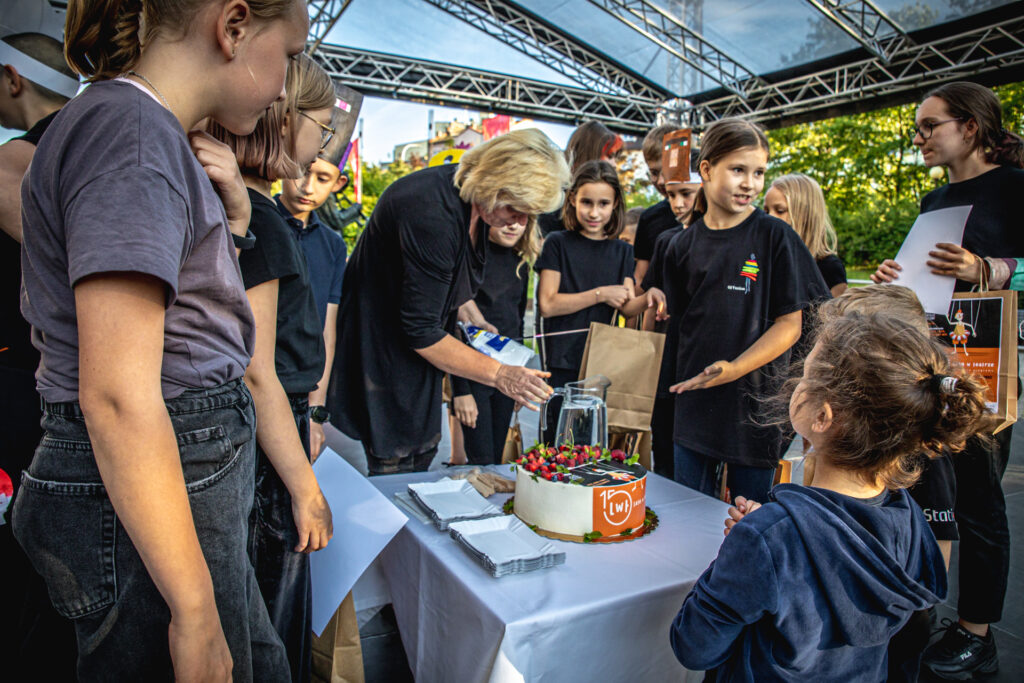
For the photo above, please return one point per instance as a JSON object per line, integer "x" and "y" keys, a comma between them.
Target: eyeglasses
{"x": 326, "y": 132}
{"x": 925, "y": 130}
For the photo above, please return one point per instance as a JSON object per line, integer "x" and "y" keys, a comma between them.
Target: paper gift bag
{"x": 338, "y": 652}
{"x": 631, "y": 359}
{"x": 513, "y": 442}
{"x": 632, "y": 442}
{"x": 981, "y": 330}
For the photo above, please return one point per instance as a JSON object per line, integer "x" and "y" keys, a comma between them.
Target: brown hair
{"x": 723, "y": 137}
{"x": 103, "y": 38}
{"x": 651, "y": 145}
{"x": 48, "y": 51}
{"x": 966, "y": 101}
{"x": 882, "y": 379}
{"x": 264, "y": 152}
{"x": 894, "y": 300}
{"x": 589, "y": 142}
{"x": 596, "y": 172}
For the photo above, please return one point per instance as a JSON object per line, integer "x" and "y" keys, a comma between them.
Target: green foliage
{"x": 871, "y": 174}
{"x": 376, "y": 179}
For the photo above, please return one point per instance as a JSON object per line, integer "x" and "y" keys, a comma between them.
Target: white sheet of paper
{"x": 364, "y": 522}
{"x": 943, "y": 225}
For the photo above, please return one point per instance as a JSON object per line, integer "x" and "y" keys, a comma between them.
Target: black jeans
{"x": 68, "y": 527}
{"x": 35, "y": 641}
{"x": 662, "y": 445}
{"x": 984, "y": 532}
{"x": 486, "y": 441}
{"x": 282, "y": 573}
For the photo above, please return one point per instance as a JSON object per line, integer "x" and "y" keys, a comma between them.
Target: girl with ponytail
{"x": 959, "y": 126}
{"x": 813, "y": 584}
{"x": 135, "y": 506}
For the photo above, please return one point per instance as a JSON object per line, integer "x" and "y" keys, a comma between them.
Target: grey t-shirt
{"x": 114, "y": 187}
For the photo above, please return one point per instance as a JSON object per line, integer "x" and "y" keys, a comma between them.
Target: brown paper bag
{"x": 631, "y": 359}
{"x": 632, "y": 442}
{"x": 981, "y": 330}
{"x": 338, "y": 652}
{"x": 513, "y": 443}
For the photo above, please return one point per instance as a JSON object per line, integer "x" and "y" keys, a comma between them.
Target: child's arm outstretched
{"x": 736, "y": 590}
{"x": 645, "y": 301}
{"x": 553, "y": 303}
{"x": 773, "y": 343}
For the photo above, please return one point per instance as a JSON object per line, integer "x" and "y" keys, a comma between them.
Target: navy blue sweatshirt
{"x": 811, "y": 587}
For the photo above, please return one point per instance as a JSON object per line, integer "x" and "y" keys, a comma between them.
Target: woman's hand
{"x": 317, "y": 440}
{"x": 955, "y": 261}
{"x": 741, "y": 509}
{"x": 221, "y": 166}
{"x": 615, "y": 295}
{"x": 199, "y": 651}
{"x": 523, "y": 385}
{"x": 465, "y": 410}
{"x": 312, "y": 520}
{"x": 888, "y": 271}
{"x": 719, "y": 372}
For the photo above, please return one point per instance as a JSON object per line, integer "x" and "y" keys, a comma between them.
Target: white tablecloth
{"x": 602, "y": 616}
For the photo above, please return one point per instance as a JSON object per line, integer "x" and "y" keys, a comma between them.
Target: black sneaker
{"x": 960, "y": 655}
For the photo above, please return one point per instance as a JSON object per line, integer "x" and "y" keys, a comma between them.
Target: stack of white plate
{"x": 451, "y": 500}
{"x": 504, "y": 545}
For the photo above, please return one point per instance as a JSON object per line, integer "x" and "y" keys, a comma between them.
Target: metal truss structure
{"x": 866, "y": 23}
{"x": 892, "y": 66}
{"x": 376, "y": 73}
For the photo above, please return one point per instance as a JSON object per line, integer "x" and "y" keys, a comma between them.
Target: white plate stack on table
{"x": 450, "y": 500}
{"x": 505, "y": 545}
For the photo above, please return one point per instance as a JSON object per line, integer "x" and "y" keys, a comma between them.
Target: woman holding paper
{"x": 959, "y": 126}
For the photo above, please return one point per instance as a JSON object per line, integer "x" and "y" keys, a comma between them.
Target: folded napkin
{"x": 486, "y": 483}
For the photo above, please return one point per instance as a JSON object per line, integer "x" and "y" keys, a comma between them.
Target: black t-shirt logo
{"x": 748, "y": 272}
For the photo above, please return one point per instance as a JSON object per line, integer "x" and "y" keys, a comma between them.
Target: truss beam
{"x": 511, "y": 24}
{"x": 323, "y": 15}
{"x": 980, "y": 52}
{"x": 680, "y": 41}
{"x": 384, "y": 75}
{"x": 866, "y": 23}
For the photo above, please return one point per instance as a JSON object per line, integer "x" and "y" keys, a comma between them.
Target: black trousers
{"x": 662, "y": 445}
{"x": 36, "y": 643}
{"x": 485, "y": 442}
{"x": 559, "y": 378}
{"x": 984, "y": 532}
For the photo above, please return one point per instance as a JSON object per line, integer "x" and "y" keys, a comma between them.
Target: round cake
{"x": 582, "y": 492}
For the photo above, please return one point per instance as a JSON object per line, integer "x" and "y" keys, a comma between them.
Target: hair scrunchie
{"x": 943, "y": 384}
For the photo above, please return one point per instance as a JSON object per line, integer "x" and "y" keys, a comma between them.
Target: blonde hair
{"x": 521, "y": 169}
{"x": 894, "y": 300}
{"x": 264, "y": 152}
{"x": 808, "y": 213}
{"x": 104, "y": 38}
{"x": 651, "y": 145}
{"x": 528, "y": 246}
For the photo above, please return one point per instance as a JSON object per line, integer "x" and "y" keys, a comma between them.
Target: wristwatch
{"x": 319, "y": 414}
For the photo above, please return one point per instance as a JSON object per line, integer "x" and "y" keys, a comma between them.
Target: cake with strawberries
{"x": 581, "y": 493}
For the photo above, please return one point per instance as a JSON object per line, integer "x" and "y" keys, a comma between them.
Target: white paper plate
{"x": 502, "y": 540}
{"x": 448, "y": 500}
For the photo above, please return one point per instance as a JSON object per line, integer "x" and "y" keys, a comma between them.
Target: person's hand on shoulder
{"x": 741, "y": 508}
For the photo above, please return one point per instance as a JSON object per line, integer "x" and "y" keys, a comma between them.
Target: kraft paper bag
{"x": 631, "y": 359}
{"x": 513, "y": 443}
{"x": 337, "y": 652}
{"x": 981, "y": 330}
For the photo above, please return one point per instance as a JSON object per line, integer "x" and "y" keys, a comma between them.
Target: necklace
{"x": 150, "y": 84}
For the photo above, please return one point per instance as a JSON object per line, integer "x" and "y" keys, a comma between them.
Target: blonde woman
{"x": 798, "y": 200}
{"x": 420, "y": 258}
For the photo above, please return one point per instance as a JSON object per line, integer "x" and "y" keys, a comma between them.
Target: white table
{"x": 602, "y": 616}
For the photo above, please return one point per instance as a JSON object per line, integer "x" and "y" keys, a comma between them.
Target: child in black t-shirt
{"x": 798, "y": 200}
{"x": 585, "y": 272}
{"x": 736, "y": 282}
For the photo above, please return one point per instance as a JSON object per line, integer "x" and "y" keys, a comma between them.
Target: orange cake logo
{"x": 619, "y": 507}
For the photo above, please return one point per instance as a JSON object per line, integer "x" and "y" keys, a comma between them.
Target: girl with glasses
{"x": 959, "y": 126}
{"x": 290, "y": 516}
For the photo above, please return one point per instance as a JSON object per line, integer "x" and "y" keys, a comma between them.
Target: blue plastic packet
{"x": 499, "y": 348}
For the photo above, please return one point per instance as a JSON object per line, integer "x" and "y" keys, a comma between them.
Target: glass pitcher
{"x": 583, "y": 418}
